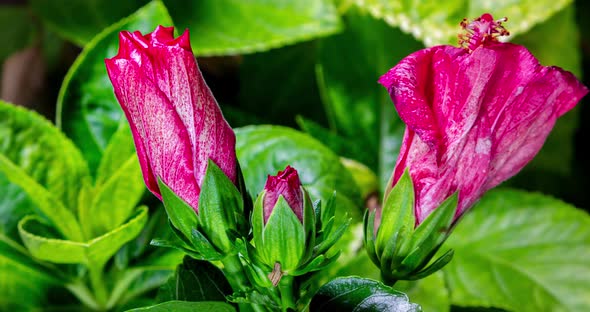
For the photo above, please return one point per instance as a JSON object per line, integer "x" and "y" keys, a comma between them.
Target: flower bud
{"x": 283, "y": 222}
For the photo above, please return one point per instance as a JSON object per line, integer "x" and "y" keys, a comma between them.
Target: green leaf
{"x": 430, "y": 293}
{"x": 117, "y": 152}
{"x": 280, "y": 84}
{"x": 195, "y": 280}
{"x": 22, "y": 287}
{"x": 264, "y": 150}
{"x": 116, "y": 199}
{"x": 44, "y": 163}
{"x": 358, "y": 108}
{"x": 16, "y": 28}
{"x": 364, "y": 177}
{"x": 87, "y": 110}
{"x": 217, "y": 26}
{"x": 521, "y": 252}
{"x": 360, "y": 294}
{"x": 186, "y": 306}
{"x": 14, "y": 205}
{"x": 41, "y": 244}
{"x": 438, "y": 22}
{"x": 81, "y": 20}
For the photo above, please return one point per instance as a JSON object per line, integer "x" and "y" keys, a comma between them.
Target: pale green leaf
{"x": 522, "y": 252}
{"x": 437, "y": 22}
{"x": 38, "y": 240}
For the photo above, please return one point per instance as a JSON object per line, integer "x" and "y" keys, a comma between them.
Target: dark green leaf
{"x": 264, "y": 150}
{"x": 88, "y": 111}
{"x": 195, "y": 280}
{"x": 358, "y": 108}
{"x": 521, "y": 252}
{"x": 80, "y": 21}
{"x": 185, "y": 306}
{"x": 227, "y": 27}
{"x": 359, "y": 294}
{"x": 22, "y": 288}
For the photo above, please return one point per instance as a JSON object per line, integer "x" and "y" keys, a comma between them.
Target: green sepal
{"x": 332, "y": 238}
{"x": 397, "y": 214}
{"x": 435, "y": 266}
{"x": 175, "y": 242}
{"x": 40, "y": 242}
{"x": 283, "y": 237}
{"x": 369, "y": 236}
{"x": 431, "y": 233}
{"x": 205, "y": 247}
{"x": 182, "y": 216}
{"x": 221, "y": 209}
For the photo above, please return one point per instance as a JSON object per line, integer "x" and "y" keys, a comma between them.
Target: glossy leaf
{"x": 80, "y": 21}
{"x": 522, "y": 252}
{"x": 360, "y": 294}
{"x": 264, "y": 150}
{"x": 38, "y": 240}
{"x": 358, "y": 108}
{"x": 187, "y": 306}
{"x": 438, "y": 22}
{"x": 88, "y": 111}
{"x": 217, "y": 26}
{"x": 195, "y": 280}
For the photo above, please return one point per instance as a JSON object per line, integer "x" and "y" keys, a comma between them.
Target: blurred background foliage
{"x": 311, "y": 65}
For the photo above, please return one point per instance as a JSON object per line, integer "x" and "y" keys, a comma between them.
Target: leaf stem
{"x": 98, "y": 286}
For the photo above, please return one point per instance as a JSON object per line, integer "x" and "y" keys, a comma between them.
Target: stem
{"x": 287, "y": 294}
{"x": 388, "y": 279}
{"x": 234, "y": 273}
{"x": 98, "y": 286}
{"x": 81, "y": 291}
